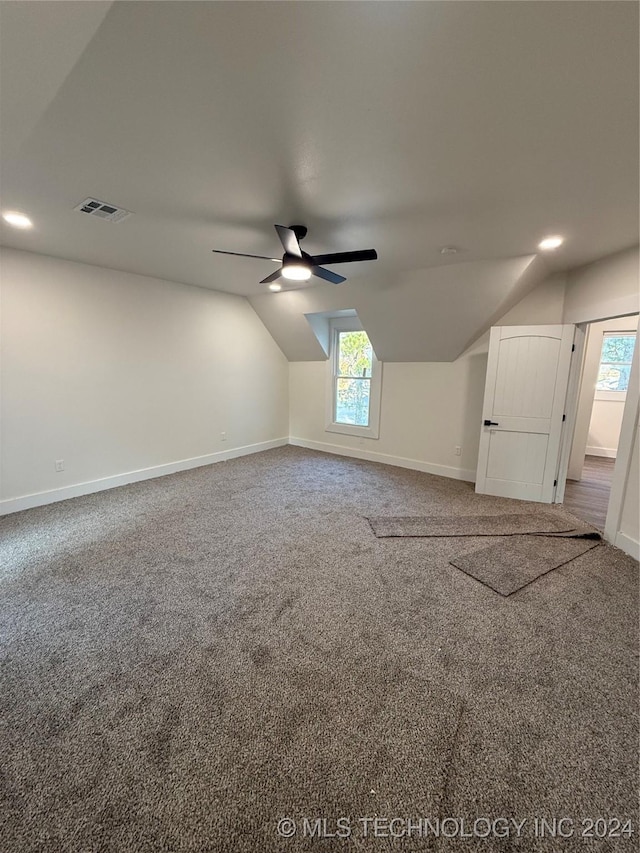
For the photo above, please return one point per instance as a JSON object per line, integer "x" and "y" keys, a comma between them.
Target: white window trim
{"x": 352, "y": 324}
{"x": 611, "y": 396}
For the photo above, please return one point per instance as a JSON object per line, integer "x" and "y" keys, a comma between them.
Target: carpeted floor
{"x": 189, "y": 660}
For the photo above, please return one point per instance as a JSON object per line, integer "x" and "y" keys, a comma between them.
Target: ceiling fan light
{"x": 296, "y": 272}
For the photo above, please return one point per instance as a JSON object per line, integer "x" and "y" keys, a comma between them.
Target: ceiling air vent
{"x": 101, "y": 209}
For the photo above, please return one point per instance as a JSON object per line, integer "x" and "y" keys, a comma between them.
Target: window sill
{"x": 348, "y": 429}
{"x": 611, "y": 396}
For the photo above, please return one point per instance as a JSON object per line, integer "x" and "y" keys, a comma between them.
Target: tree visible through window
{"x": 615, "y": 361}
{"x": 353, "y": 378}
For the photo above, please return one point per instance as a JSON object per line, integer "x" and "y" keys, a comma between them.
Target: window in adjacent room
{"x": 615, "y": 364}
{"x": 354, "y": 395}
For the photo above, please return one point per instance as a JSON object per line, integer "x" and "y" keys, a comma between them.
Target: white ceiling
{"x": 396, "y": 126}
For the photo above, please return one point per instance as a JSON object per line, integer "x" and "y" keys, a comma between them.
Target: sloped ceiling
{"x": 423, "y": 315}
{"x": 403, "y": 127}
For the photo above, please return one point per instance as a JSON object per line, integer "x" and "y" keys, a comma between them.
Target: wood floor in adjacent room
{"x": 588, "y": 498}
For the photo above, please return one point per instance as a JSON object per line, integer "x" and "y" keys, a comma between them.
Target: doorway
{"x": 608, "y": 354}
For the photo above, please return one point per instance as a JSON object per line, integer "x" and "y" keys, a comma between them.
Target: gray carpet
{"x": 516, "y": 561}
{"x": 187, "y": 661}
{"x": 509, "y": 524}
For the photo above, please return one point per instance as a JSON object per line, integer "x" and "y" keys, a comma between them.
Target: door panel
{"x": 527, "y": 375}
{"x": 535, "y": 359}
{"x": 517, "y": 456}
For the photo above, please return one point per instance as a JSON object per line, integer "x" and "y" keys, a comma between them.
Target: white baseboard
{"x": 387, "y": 459}
{"x": 606, "y": 452}
{"x": 42, "y": 498}
{"x": 628, "y": 545}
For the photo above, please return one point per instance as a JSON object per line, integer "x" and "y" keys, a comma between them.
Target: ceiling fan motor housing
{"x": 294, "y": 260}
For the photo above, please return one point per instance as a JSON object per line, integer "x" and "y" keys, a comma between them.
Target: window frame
{"x": 352, "y": 324}
{"x": 603, "y": 393}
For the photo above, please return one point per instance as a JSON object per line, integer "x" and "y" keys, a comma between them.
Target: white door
{"x": 524, "y": 399}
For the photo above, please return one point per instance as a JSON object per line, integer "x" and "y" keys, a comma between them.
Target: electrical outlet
{"x": 59, "y": 465}
{"x": 458, "y": 450}
{"x": 223, "y": 436}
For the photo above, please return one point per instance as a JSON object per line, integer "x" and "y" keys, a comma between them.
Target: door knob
{"x": 491, "y": 423}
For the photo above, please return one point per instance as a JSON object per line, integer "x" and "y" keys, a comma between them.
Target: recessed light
{"x": 18, "y": 220}
{"x": 550, "y": 243}
{"x": 275, "y": 287}
{"x": 449, "y": 250}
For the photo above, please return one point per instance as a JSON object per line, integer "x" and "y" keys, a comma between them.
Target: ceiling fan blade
{"x": 327, "y": 275}
{"x": 346, "y": 257}
{"x": 244, "y": 255}
{"x": 274, "y": 275}
{"x": 289, "y": 241}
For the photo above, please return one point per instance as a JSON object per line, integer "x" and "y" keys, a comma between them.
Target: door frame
{"x": 621, "y": 471}
{"x": 571, "y": 409}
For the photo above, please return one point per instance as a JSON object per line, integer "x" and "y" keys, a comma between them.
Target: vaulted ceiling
{"x": 399, "y": 126}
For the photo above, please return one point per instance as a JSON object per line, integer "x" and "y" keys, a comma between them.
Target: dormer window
{"x": 355, "y": 378}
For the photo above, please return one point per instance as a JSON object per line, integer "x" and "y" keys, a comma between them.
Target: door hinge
{"x": 564, "y": 417}
{"x": 573, "y": 348}
{"x": 555, "y": 482}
